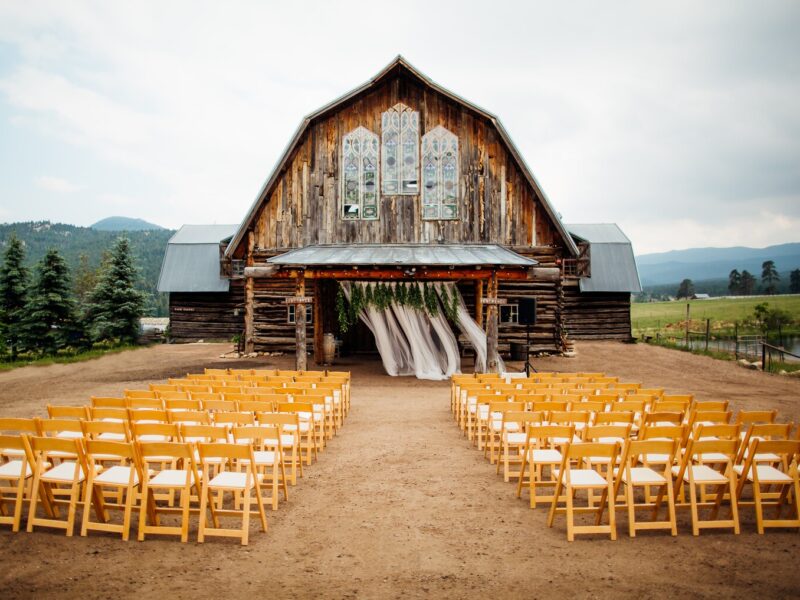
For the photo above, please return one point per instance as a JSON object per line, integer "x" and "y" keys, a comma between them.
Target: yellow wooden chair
{"x": 53, "y": 471}
{"x": 305, "y": 428}
{"x": 20, "y": 426}
{"x": 16, "y": 473}
{"x": 268, "y": 454}
{"x": 163, "y": 387}
{"x": 542, "y": 452}
{"x": 108, "y": 413}
{"x": 141, "y": 394}
{"x": 694, "y": 475}
{"x": 783, "y": 476}
{"x": 571, "y": 479}
{"x": 109, "y": 402}
{"x": 514, "y": 439}
{"x": 67, "y": 412}
{"x": 244, "y": 482}
{"x": 124, "y": 477}
{"x": 181, "y": 476}
{"x": 636, "y": 472}
{"x": 288, "y": 425}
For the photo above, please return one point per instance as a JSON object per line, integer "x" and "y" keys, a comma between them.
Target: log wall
{"x": 206, "y": 315}
{"x": 596, "y": 315}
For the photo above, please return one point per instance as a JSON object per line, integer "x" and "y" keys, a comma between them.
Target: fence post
{"x": 763, "y": 357}
{"x": 708, "y": 330}
{"x": 736, "y": 338}
{"x": 687, "y": 324}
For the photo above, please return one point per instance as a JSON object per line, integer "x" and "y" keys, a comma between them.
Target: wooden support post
{"x": 708, "y": 332}
{"x": 300, "y": 325}
{"x": 318, "y": 330}
{"x": 491, "y": 326}
{"x": 249, "y": 298}
{"x": 479, "y": 303}
{"x": 688, "y": 320}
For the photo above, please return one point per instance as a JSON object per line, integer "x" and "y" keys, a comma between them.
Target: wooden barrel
{"x": 328, "y": 348}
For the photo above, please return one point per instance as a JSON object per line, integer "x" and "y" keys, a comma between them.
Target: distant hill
{"x": 72, "y": 241}
{"x": 124, "y": 224}
{"x": 699, "y": 264}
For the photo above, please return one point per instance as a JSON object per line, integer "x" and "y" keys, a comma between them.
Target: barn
{"x": 400, "y": 181}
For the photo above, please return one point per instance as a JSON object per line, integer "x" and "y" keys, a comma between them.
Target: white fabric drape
{"x": 412, "y": 342}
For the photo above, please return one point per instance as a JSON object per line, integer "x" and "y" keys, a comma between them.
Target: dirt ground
{"x": 400, "y": 505}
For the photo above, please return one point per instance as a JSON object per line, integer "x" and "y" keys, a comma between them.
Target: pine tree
{"x": 686, "y": 289}
{"x": 794, "y": 281}
{"x": 769, "y": 276}
{"x": 13, "y": 294}
{"x": 748, "y": 283}
{"x": 85, "y": 279}
{"x": 116, "y": 306}
{"x": 49, "y": 324}
{"x": 735, "y": 282}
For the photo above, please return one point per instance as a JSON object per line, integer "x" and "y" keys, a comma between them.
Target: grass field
{"x": 651, "y": 317}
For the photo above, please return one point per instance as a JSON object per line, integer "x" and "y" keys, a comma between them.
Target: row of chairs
{"x": 610, "y": 455}
{"x": 282, "y": 435}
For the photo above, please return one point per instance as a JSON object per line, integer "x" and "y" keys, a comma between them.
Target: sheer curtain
{"x": 412, "y": 342}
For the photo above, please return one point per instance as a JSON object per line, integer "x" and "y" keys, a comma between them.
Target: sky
{"x": 679, "y": 121}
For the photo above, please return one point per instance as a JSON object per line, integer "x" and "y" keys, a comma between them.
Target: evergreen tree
{"x": 49, "y": 322}
{"x": 686, "y": 289}
{"x": 748, "y": 283}
{"x": 735, "y": 282}
{"x": 794, "y": 282}
{"x": 769, "y": 276}
{"x": 85, "y": 279}
{"x": 13, "y": 294}
{"x": 116, "y": 305}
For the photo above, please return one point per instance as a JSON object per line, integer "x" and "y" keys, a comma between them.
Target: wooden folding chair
{"x": 139, "y": 403}
{"x": 214, "y": 406}
{"x": 173, "y": 395}
{"x": 762, "y": 431}
{"x": 570, "y": 480}
{"x": 181, "y": 476}
{"x": 108, "y": 413}
{"x": 288, "y": 425}
{"x": 514, "y": 438}
{"x": 187, "y": 404}
{"x": 67, "y": 412}
{"x": 147, "y": 415}
{"x": 268, "y": 454}
{"x": 497, "y": 425}
{"x": 614, "y": 418}
{"x": 244, "y": 483}
{"x": 61, "y": 428}
{"x": 783, "y": 476}
{"x": 155, "y": 432}
{"x": 110, "y": 431}
{"x": 53, "y": 471}
{"x": 233, "y": 418}
{"x": 542, "y": 452}
{"x": 748, "y": 417}
{"x": 141, "y": 394}
{"x": 694, "y": 475}
{"x": 163, "y": 387}
{"x": 20, "y": 426}
{"x": 305, "y": 427}
{"x": 124, "y": 477}
{"x": 109, "y": 402}
{"x": 17, "y": 473}
{"x": 636, "y": 472}
{"x": 189, "y": 417}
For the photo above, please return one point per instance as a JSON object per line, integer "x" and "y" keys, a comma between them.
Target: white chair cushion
{"x": 516, "y": 438}
{"x": 172, "y": 478}
{"x": 584, "y": 477}
{"x": 13, "y": 469}
{"x": 230, "y": 480}
{"x": 546, "y": 456}
{"x": 766, "y": 474}
{"x": 702, "y": 474}
{"x": 643, "y": 476}
{"x": 117, "y": 475}
{"x": 63, "y": 473}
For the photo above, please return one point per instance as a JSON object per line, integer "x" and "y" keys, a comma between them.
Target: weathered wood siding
{"x": 496, "y": 203}
{"x": 206, "y": 315}
{"x": 597, "y": 315}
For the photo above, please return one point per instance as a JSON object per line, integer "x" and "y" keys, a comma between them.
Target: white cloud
{"x": 664, "y": 118}
{"x": 56, "y": 184}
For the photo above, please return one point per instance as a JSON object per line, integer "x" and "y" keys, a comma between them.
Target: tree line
{"x": 41, "y": 313}
{"x": 745, "y": 283}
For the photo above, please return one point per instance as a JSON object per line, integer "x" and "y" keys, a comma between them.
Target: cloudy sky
{"x": 680, "y": 121}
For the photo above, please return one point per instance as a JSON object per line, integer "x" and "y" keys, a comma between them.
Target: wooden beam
{"x": 479, "y": 303}
{"x": 318, "y": 350}
{"x": 491, "y": 326}
{"x": 300, "y": 326}
{"x": 249, "y": 297}
{"x": 394, "y": 274}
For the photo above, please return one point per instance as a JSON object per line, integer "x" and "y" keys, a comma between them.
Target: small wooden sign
{"x": 494, "y": 301}
{"x": 299, "y": 300}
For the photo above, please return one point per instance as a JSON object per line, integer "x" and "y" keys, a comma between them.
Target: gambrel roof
{"x": 398, "y": 62}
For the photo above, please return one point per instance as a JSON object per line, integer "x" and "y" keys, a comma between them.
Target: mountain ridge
{"x": 124, "y": 224}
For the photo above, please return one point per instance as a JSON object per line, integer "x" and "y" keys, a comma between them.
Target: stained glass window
{"x": 400, "y": 150}
{"x": 360, "y": 174}
{"x": 439, "y": 174}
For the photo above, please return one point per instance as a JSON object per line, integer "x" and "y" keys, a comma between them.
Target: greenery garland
{"x": 425, "y": 298}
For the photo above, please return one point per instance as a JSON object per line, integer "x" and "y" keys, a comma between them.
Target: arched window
{"x": 439, "y": 174}
{"x": 400, "y": 150}
{"x": 360, "y": 174}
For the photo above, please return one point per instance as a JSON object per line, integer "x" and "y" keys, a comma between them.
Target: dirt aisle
{"x": 399, "y": 505}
